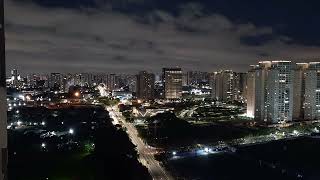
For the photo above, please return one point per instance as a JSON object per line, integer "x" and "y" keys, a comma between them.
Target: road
{"x": 145, "y": 154}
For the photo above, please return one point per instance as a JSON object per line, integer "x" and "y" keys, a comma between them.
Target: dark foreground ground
{"x": 285, "y": 160}
{"x": 42, "y": 147}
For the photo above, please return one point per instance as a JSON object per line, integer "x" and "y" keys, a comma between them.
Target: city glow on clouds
{"x": 42, "y": 39}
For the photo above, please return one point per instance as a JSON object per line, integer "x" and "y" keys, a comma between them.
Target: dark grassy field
{"x": 285, "y": 160}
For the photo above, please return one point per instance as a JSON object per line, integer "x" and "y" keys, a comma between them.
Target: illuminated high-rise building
{"x": 145, "y": 85}
{"x": 111, "y": 82}
{"x": 224, "y": 85}
{"x": 172, "y": 78}
{"x": 15, "y": 78}
{"x": 56, "y": 81}
{"x": 299, "y": 73}
{"x": 280, "y": 92}
{"x": 257, "y": 90}
{"x": 239, "y": 86}
{"x": 185, "y": 79}
{"x": 32, "y": 79}
{"x": 270, "y": 91}
{"x": 250, "y": 96}
{"x": 312, "y": 92}
{"x": 212, "y": 84}
{"x": 196, "y": 78}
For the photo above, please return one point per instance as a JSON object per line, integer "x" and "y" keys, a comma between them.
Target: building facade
{"x": 270, "y": 91}
{"x": 145, "y": 85}
{"x": 172, "y": 78}
{"x": 299, "y": 77}
{"x": 239, "y": 86}
{"x": 15, "y": 78}
{"x": 212, "y": 84}
{"x": 312, "y": 92}
{"x": 280, "y": 92}
{"x": 224, "y": 85}
{"x": 56, "y": 81}
{"x": 250, "y": 96}
{"x": 257, "y": 90}
{"x": 111, "y": 82}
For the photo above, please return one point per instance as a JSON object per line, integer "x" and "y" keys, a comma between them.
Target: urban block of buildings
{"x": 273, "y": 91}
{"x": 282, "y": 91}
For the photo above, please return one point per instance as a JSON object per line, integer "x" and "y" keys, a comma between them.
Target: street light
{"x": 76, "y": 94}
{"x": 71, "y": 131}
{"x": 28, "y": 97}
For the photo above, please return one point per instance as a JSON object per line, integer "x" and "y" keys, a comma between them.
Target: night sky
{"x": 130, "y": 35}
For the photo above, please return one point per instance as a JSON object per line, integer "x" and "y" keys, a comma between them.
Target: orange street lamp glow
{"x": 77, "y": 94}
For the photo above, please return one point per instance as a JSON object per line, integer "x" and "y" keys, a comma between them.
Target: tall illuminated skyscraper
{"x": 299, "y": 73}
{"x": 257, "y": 90}
{"x": 239, "y": 86}
{"x": 280, "y": 92}
{"x": 251, "y": 92}
{"x": 3, "y": 107}
{"x": 15, "y": 78}
{"x": 270, "y": 91}
{"x": 224, "y": 85}
{"x": 56, "y": 81}
{"x": 212, "y": 83}
{"x": 172, "y": 78}
{"x": 312, "y": 92}
{"x": 145, "y": 85}
{"x": 111, "y": 82}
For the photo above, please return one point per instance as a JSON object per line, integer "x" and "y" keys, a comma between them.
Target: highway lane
{"x": 145, "y": 154}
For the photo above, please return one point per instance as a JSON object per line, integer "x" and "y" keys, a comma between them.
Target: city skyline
{"x": 274, "y": 91}
{"x": 159, "y": 89}
{"x": 195, "y": 35}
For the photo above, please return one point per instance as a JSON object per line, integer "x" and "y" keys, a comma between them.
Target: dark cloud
{"x": 257, "y": 40}
{"x": 42, "y": 37}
